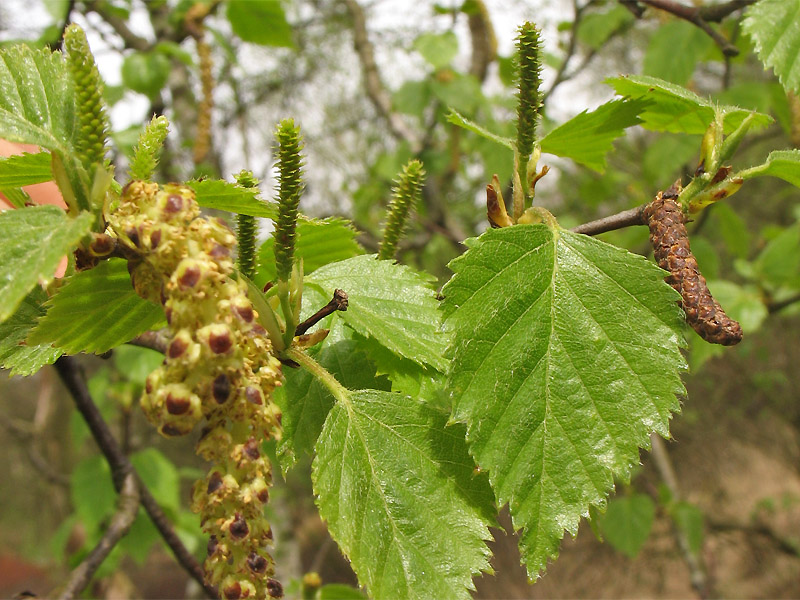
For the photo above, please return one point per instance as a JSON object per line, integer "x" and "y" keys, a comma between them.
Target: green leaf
{"x": 398, "y": 491}
{"x": 15, "y": 355}
{"x": 145, "y": 72}
{"x": 32, "y": 242}
{"x": 389, "y": 302}
{"x": 456, "y": 119}
{"x": 260, "y": 21}
{"x": 25, "y": 169}
{"x": 17, "y": 197}
{"x": 779, "y": 261}
{"x": 595, "y": 28}
{"x": 774, "y": 26}
{"x": 222, "y": 195}
{"x": 662, "y": 61}
{"x": 307, "y": 401}
{"x": 588, "y": 137}
{"x": 140, "y": 538}
{"x": 96, "y": 310}
{"x": 744, "y": 303}
{"x": 339, "y": 591}
{"x": 689, "y": 519}
{"x": 627, "y": 523}
{"x": 676, "y": 109}
{"x": 36, "y": 99}
{"x": 159, "y": 475}
{"x": 92, "y": 492}
{"x": 566, "y": 357}
{"x": 135, "y": 363}
{"x": 318, "y": 243}
{"x": 784, "y": 164}
{"x": 438, "y": 49}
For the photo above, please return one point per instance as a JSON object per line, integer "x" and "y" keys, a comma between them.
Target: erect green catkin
{"x": 246, "y": 229}
{"x": 530, "y": 95}
{"x": 290, "y": 187}
{"x": 145, "y": 155}
{"x": 405, "y": 194}
{"x": 219, "y": 368}
{"x": 91, "y": 112}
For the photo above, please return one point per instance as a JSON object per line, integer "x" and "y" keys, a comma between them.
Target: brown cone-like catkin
{"x": 671, "y": 247}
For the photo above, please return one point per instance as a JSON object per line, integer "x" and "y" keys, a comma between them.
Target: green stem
{"x": 336, "y": 389}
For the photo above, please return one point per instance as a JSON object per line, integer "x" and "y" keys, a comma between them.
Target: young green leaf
{"x": 456, "y": 119}
{"x": 676, "y": 109}
{"x": 566, "y": 356}
{"x": 25, "y": 169}
{"x": 95, "y": 311}
{"x": 662, "y": 61}
{"x": 589, "y": 136}
{"x": 398, "y": 490}
{"x": 784, "y": 164}
{"x": 318, "y": 242}
{"x": 774, "y": 26}
{"x": 627, "y": 523}
{"x": 222, "y": 195}
{"x": 15, "y": 355}
{"x": 305, "y": 402}
{"x": 438, "y": 49}
{"x": 389, "y": 302}
{"x": 32, "y": 242}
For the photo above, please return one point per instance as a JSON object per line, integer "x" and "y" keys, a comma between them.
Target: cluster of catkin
{"x": 219, "y": 367}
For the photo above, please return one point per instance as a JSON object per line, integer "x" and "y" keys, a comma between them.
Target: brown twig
{"x": 695, "y": 15}
{"x": 667, "y": 473}
{"x": 37, "y": 460}
{"x": 561, "y": 73}
{"x": 623, "y": 219}
{"x": 155, "y": 340}
{"x": 119, "y": 25}
{"x": 69, "y": 370}
{"x": 127, "y": 507}
{"x": 338, "y": 302}
{"x": 774, "y": 307}
{"x": 372, "y": 81}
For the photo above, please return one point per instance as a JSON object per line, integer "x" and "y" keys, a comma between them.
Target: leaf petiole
{"x": 337, "y": 390}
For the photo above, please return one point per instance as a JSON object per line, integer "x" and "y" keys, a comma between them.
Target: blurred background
{"x": 713, "y": 512}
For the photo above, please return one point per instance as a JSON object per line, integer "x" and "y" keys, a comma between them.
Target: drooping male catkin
{"x": 672, "y": 252}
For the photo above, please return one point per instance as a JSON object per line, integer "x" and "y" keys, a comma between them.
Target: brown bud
{"x": 177, "y": 404}
{"x": 251, "y": 449}
{"x": 171, "y": 430}
{"x": 212, "y": 546}
{"x": 257, "y": 563}
{"x": 221, "y": 388}
{"x": 155, "y": 239}
{"x": 177, "y": 347}
{"x": 274, "y": 588}
{"x": 239, "y": 529}
{"x": 220, "y": 341}
{"x": 214, "y": 482}
{"x": 188, "y": 273}
{"x": 253, "y": 394}
{"x": 133, "y": 235}
{"x": 101, "y": 244}
{"x": 173, "y": 204}
{"x": 232, "y": 591}
{"x": 244, "y": 310}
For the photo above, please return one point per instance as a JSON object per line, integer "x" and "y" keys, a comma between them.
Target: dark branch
{"x": 774, "y": 307}
{"x": 155, "y": 340}
{"x": 127, "y": 507}
{"x": 71, "y": 375}
{"x": 626, "y": 218}
{"x": 338, "y": 302}
{"x": 27, "y": 438}
{"x": 119, "y": 25}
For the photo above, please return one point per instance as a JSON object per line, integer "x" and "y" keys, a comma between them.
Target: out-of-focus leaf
{"x": 32, "y": 242}
{"x": 92, "y": 491}
{"x": 779, "y": 262}
{"x": 159, "y": 475}
{"x": 456, "y": 119}
{"x": 784, "y": 164}
{"x": 145, "y": 72}
{"x": 774, "y": 26}
{"x": 741, "y": 302}
{"x": 595, "y": 28}
{"x": 689, "y": 518}
{"x": 260, "y": 21}
{"x": 439, "y": 49}
{"x": 627, "y": 523}
{"x": 662, "y": 61}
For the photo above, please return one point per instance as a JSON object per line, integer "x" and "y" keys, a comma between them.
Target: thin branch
{"x": 71, "y": 375}
{"x": 716, "y": 12}
{"x": 572, "y": 44}
{"x": 694, "y": 15}
{"x": 338, "y": 302}
{"x": 667, "y": 473}
{"x": 155, "y": 340}
{"x": 774, "y": 307}
{"x": 372, "y": 81}
{"x": 127, "y": 507}
{"x": 623, "y": 219}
